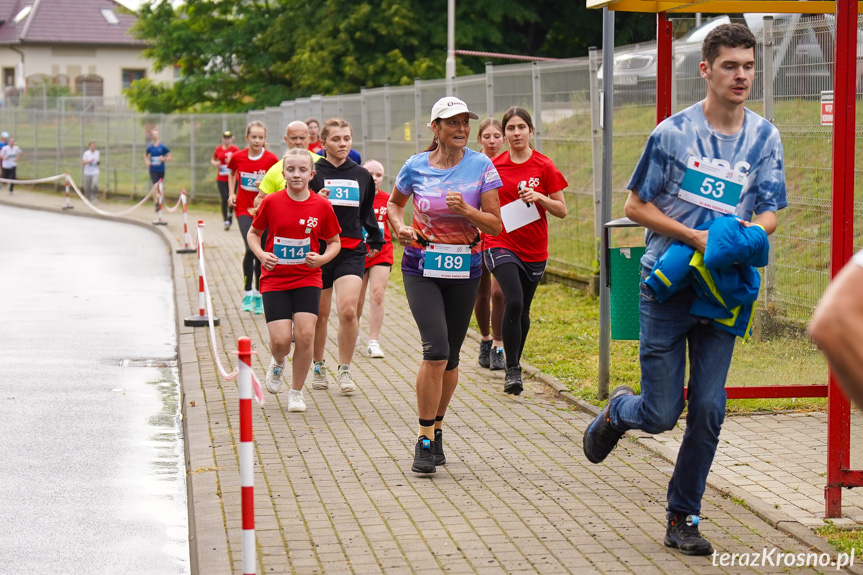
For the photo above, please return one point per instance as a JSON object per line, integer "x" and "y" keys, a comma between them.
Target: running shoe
{"x": 437, "y": 448}
{"x": 319, "y": 376}
{"x": 227, "y": 225}
{"x": 485, "y": 353}
{"x": 296, "y": 401}
{"x": 346, "y": 382}
{"x": 601, "y": 436}
{"x": 682, "y": 533}
{"x": 258, "y": 304}
{"x": 375, "y": 349}
{"x": 423, "y": 456}
{"x": 513, "y": 384}
{"x": 497, "y": 362}
{"x": 247, "y": 303}
{"x": 274, "y": 376}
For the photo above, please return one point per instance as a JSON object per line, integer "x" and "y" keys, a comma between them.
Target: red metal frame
{"x": 842, "y": 246}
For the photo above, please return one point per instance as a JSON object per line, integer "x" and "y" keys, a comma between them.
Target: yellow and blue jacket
{"x": 724, "y": 277}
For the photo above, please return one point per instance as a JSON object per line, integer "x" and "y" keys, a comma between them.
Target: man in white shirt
{"x": 90, "y": 160}
{"x": 9, "y": 156}
{"x": 837, "y": 328}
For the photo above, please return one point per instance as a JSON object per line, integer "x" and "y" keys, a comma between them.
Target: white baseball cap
{"x": 4, "y": 135}
{"x": 448, "y": 107}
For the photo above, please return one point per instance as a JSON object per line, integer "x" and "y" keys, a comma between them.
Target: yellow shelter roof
{"x": 720, "y": 6}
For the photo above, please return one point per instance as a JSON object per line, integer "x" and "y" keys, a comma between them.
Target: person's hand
{"x": 324, "y": 193}
{"x": 529, "y": 195}
{"x": 253, "y": 211}
{"x": 700, "y": 242}
{"x": 232, "y": 200}
{"x": 372, "y": 253}
{"x": 407, "y": 235}
{"x": 269, "y": 262}
{"x": 313, "y": 259}
{"x": 456, "y": 203}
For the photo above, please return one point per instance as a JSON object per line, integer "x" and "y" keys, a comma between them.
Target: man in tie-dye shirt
{"x": 713, "y": 158}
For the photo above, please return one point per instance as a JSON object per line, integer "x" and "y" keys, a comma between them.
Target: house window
{"x": 130, "y": 76}
{"x": 90, "y": 85}
{"x": 109, "y": 16}
{"x": 8, "y": 77}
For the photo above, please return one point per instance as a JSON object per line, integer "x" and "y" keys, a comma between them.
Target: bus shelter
{"x": 839, "y": 474}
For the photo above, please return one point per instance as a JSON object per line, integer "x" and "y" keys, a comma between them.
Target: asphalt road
{"x": 91, "y": 466}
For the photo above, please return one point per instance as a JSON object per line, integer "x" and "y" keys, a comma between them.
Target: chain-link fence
{"x": 563, "y": 97}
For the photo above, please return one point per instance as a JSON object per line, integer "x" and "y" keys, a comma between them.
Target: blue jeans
{"x": 666, "y": 328}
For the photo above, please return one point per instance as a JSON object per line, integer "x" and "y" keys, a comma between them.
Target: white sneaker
{"x": 346, "y": 382}
{"x": 375, "y": 349}
{"x": 296, "y": 401}
{"x": 274, "y": 376}
{"x": 319, "y": 376}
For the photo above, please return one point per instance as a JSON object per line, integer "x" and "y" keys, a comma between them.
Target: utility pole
{"x": 450, "y": 46}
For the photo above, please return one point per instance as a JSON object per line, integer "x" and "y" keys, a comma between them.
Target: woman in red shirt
{"x": 532, "y": 186}
{"x": 489, "y": 299}
{"x": 378, "y": 267}
{"x": 221, "y": 157}
{"x": 298, "y": 221}
{"x": 247, "y": 169}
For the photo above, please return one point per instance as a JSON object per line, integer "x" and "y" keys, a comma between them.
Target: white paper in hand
{"x": 517, "y": 214}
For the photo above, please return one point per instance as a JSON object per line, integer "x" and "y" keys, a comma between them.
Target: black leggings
{"x": 442, "y": 309}
{"x": 251, "y": 264}
{"x": 518, "y": 292}
{"x": 227, "y": 211}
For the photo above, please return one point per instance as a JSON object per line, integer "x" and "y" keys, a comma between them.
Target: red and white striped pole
{"x": 200, "y": 320}
{"x": 161, "y": 200}
{"x": 68, "y": 205}
{"x": 187, "y": 238}
{"x": 247, "y": 454}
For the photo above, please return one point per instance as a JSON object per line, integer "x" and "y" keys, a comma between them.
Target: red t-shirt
{"x": 386, "y": 254}
{"x": 316, "y": 148}
{"x": 295, "y": 228}
{"x": 529, "y": 242}
{"x": 223, "y": 155}
{"x": 249, "y": 174}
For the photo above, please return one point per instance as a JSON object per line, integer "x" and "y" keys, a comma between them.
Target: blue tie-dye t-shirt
{"x": 756, "y": 150}
{"x": 433, "y": 220}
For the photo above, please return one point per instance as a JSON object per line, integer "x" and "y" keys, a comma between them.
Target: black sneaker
{"x": 512, "y": 384}
{"x": 682, "y": 533}
{"x": 423, "y": 456}
{"x": 600, "y": 437}
{"x": 437, "y": 448}
{"x": 485, "y": 353}
{"x": 497, "y": 362}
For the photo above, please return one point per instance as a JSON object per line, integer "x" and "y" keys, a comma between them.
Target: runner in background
{"x": 9, "y": 155}
{"x": 314, "y": 127}
{"x": 221, "y": 157}
{"x": 90, "y": 161}
{"x": 296, "y": 136}
{"x": 156, "y": 155}
{"x": 531, "y": 186}
{"x": 454, "y": 192}
{"x": 489, "y": 300}
{"x": 247, "y": 168}
{"x": 298, "y": 223}
{"x": 351, "y": 190}
{"x": 377, "y": 268}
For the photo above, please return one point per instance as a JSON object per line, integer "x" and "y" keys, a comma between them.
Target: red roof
{"x": 68, "y": 22}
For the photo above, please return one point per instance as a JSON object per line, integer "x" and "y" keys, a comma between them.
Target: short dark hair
{"x": 730, "y": 35}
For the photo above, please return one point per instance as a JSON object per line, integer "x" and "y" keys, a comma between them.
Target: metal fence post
{"x": 192, "y": 174}
{"x": 364, "y": 118}
{"x": 388, "y": 124}
{"x": 417, "y": 111}
{"x": 605, "y": 207}
{"x": 36, "y": 143}
{"x": 106, "y": 156}
{"x": 767, "y": 83}
{"x": 489, "y": 90}
{"x": 134, "y": 157}
{"x": 537, "y": 105}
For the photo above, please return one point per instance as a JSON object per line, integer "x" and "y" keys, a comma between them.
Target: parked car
{"x": 803, "y": 59}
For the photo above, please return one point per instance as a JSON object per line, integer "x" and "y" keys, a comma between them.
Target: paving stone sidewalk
{"x": 334, "y": 492}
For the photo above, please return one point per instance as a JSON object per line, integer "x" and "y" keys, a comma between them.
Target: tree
{"x": 235, "y": 55}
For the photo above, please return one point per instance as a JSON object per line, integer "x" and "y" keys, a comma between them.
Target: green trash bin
{"x": 624, "y": 279}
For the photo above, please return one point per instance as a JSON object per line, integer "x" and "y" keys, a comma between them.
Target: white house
{"x": 83, "y": 44}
